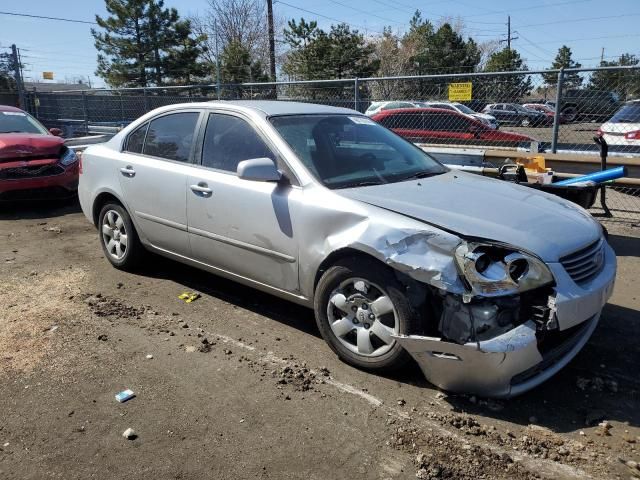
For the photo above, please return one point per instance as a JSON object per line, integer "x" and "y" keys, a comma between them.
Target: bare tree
{"x": 241, "y": 22}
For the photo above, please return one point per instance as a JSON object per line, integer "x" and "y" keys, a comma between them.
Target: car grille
{"x": 30, "y": 172}
{"x": 586, "y": 263}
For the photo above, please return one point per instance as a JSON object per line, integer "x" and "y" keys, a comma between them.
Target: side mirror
{"x": 259, "y": 170}
{"x": 55, "y": 131}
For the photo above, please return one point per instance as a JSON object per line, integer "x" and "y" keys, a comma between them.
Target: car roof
{"x": 9, "y": 108}
{"x": 420, "y": 110}
{"x": 283, "y": 107}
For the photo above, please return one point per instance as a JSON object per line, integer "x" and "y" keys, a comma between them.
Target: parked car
{"x": 438, "y": 125}
{"x": 489, "y": 120}
{"x": 398, "y": 256}
{"x": 513, "y": 114}
{"x": 377, "y": 107}
{"x": 624, "y": 127}
{"x": 589, "y": 105}
{"x": 546, "y": 110}
{"x": 34, "y": 162}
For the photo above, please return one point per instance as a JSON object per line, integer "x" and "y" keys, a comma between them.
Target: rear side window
{"x": 229, "y": 140}
{"x": 136, "y": 139}
{"x": 171, "y": 136}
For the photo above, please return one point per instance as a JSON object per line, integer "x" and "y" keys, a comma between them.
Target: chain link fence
{"x": 552, "y": 111}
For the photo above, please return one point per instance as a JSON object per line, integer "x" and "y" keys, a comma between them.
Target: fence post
{"x": 356, "y": 94}
{"x": 85, "y": 112}
{"x": 146, "y": 100}
{"x": 556, "y": 116}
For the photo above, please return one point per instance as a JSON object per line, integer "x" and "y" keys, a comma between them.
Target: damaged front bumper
{"x": 518, "y": 360}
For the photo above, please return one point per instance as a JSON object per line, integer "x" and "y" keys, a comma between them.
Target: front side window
{"x": 343, "y": 151}
{"x": 171, "y": 136}
{"x": 228, "y": 140}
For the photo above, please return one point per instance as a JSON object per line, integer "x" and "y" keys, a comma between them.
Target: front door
{"x": 153, "y": 171}
{"x": 240, "y": 226}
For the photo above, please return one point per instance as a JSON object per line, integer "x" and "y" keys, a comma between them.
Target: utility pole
{"x": 602, "y": 56}
{"x": 509, "y": 37}
{"x": 17, "y": 73}
{"x": 272, "y": 41}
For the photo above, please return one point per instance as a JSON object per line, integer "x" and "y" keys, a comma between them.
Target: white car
{"x": 377, "y": 107}
{"x": 488, "y": 120}
{"x": 624, "y": 127}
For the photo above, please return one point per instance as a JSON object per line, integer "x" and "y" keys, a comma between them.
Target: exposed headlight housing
{"x": 492, "y": 270}
{"x": 68, "y": 156}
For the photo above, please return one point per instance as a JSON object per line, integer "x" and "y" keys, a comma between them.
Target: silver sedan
{"x": 491, "y": 287}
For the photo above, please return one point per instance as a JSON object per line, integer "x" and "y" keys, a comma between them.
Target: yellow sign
{"x": 460, "y": 92}
{"x": 47, "y": 75}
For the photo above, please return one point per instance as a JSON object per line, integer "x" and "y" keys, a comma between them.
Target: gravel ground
{"x": 238, "y": 384}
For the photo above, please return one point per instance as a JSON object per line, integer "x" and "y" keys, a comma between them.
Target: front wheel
{"x": 359, "y": 307}
{"x": 119, "y": 239}
{"x": 525, "y": 122}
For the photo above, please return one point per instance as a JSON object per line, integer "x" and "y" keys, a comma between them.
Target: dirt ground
{"x": 240, "y": 385}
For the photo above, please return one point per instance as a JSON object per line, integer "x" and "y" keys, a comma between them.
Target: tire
{"x": 570, "y": 114}
{"x": 118, "y": 237}
{"x": 378, "y": 281}
{"x": 525, "y": 122}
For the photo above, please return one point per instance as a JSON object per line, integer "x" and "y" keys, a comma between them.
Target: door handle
{"x": 128, "y": 171}
{"x": 202, "y": 189}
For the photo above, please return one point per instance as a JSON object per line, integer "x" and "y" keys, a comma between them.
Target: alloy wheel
{"x": 114, "y": 234}
{"x": 362, "y": 317}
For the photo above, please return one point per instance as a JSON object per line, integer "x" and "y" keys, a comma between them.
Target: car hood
{"x": 474, "y": 206}
{"x": 28, "y": 145}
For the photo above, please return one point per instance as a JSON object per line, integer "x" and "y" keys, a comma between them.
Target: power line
{"x": 325, "y": 16}
{"x": 573, "y": 20}
{"x": 41, "y": 17}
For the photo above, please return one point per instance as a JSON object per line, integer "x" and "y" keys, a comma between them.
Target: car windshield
{"x": 630, "y": 113}
{"x": 464, "y": 109}
{"x": 20, "y": 122}
{"x": 344, "y": 151}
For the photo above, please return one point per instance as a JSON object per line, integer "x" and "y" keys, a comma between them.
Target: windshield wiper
{"x": 420, "y": 175}
{"x": 366, "y": 183}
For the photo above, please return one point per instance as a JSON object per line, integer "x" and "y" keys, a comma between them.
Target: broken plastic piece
{"x": 189, "y": 297}
{"x": 125, "y": 395}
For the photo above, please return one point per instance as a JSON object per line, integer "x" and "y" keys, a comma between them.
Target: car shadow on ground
{"x": 625, "y": 246}
{"x": 258, "y": 302}
{"x": 38, "y": 209}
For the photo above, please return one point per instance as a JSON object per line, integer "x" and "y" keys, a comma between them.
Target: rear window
{"x": 630, "y": 113}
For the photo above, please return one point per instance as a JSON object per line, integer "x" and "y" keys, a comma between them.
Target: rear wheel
{"x": 525, "y": 122}
{"x": 359, "y": 307}
{"x": 119, "y": 239}
{"x": 570, "y": 113}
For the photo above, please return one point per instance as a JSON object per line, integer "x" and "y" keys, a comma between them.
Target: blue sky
{"x": 541, "y": 25}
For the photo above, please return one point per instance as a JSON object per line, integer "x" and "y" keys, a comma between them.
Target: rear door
{"x": 240, "y": 226}
{"x": 153, "y": 170}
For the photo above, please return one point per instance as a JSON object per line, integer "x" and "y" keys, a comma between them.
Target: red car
{"x": 547, "y": 110}
{"x": 34, "y": 162}
{"x": 436, "y": 125}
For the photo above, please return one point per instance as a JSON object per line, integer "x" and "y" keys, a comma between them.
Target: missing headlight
{"x": 494, "y": 270}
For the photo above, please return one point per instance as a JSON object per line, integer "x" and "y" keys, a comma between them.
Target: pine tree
{"x": 505, "y": 88}
{"x": 563, "y": 60}
{"x": 138, "y": 41}
{"x": 626, "y": 83}
{"x": 7, "y": 82}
